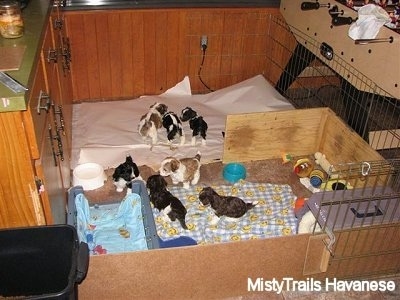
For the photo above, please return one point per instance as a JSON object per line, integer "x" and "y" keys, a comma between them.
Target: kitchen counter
{"x": 35, "y": 17}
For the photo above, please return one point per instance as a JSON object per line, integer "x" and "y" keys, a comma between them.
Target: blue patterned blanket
{"x": 273, "y": 215}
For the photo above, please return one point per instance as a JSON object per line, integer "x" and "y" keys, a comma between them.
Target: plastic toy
{"x": 303, "y": 167}
{"x": 321, "y": 160}
{"x": 299, "y": 204}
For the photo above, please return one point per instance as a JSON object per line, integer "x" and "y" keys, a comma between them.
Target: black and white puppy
{"x": 173, "y": 126}
{"x": 164, "y": 201}
{"x": 197, "y": 124}
{"x": 151, "y": 122}
{"x": 125, "y": 173}
{"x": 229, "y": 206}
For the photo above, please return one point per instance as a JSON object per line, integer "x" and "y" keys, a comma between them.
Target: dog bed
{"x": 272, "y": 216}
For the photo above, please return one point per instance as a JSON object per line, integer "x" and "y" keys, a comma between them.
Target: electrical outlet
{"x": 203, "y": 42}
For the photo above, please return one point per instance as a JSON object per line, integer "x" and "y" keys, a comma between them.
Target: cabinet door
{"x": 20, "y": 204}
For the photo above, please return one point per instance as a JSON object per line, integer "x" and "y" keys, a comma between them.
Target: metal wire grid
{"x": 308, "y": 81}
{"x": 367, "y": 207}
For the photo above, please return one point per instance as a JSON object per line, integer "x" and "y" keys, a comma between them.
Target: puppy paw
{"x": 203, "y": 142}
{"x": 186, "y": 185}
{"x": 193, "y": 142}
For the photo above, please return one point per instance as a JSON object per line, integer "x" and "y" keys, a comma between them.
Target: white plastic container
{"x": 90, "y": 176}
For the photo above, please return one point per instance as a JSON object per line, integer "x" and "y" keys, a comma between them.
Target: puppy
{"x": 185, "y": 170}
{"x": 229, "y": 206}
{"x": 173, "y": 126}
{"x": 125, "y": 173}
{"x": 164, "y": 201}
{"x": 151, "y": 122}
{"x": 197, "y": 124}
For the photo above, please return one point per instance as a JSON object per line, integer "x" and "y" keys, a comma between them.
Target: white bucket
{"x": 89, "y": 175}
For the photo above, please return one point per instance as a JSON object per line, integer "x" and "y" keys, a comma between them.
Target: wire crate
{"x": 358, "y": 203}
{"x": 308, "y": 81}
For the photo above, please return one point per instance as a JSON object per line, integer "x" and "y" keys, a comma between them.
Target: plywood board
{"x": 258, "y": 136}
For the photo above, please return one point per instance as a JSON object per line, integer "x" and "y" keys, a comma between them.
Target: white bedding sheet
{"x": 105, "y": 132}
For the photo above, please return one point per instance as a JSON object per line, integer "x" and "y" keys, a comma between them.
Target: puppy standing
{"x": 151, "y": 122}
{"x": 197, "y": 124}
{"x": 229, "y": 206}
{"x": 173, "y": 126}
{"x": 125, "y": 173}
{"x": 164, "y": 201}
{"x": 185, "y": 170}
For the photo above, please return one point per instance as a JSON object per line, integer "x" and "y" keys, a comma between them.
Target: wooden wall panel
{"x": 119, "y": 54}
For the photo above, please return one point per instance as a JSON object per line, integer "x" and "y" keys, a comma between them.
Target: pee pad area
{"x": 111, "y": 228}
{"x": 272, "y": 216}
{"x": 105, "y": 132}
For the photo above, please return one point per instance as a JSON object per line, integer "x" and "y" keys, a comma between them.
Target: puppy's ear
{"x": 174, "y": 165}
{"x": 135, "y": 170}
{"x": 163, "y": 182}
{"x": 150, "y": 183}
{"x": 129, "y": 159}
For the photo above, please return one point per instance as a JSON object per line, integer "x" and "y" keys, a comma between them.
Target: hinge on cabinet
{"x": 39, "y": 185}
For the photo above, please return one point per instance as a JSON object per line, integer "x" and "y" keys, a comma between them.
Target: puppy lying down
{"x": 229, "y": 206}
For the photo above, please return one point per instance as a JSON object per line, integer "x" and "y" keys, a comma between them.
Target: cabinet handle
{"x": 60, "y": 152}
{"x": 52, "y": 55}
{"x": 61, "y": 125}
{"x": 66, "y": 53}
{"x": 58, "y": 24}
{"x": 46, "y": 106}
{"x": 53, "y": 151}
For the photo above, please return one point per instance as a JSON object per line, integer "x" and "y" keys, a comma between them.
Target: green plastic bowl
{"x": 233, "y": 172}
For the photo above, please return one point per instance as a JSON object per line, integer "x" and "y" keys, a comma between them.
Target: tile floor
{"x": 350, "y": 295}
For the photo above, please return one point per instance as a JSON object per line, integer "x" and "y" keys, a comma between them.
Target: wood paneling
{"x": 118, "y": 54}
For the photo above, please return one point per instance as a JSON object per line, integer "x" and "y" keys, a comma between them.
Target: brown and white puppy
{"x": 151, "y": 122}
{"x": 229, "y": 206}
{"x": 185, "y": 170}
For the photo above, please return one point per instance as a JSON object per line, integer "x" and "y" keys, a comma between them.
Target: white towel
{"x": 371, "y": 18}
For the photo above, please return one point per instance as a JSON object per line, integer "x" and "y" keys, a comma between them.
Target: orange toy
{"x": 299, "y": 204}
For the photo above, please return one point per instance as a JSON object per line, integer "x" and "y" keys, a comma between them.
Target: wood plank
{"x": 126, "y": 45}
{"x": 157, "y": 48}
{"x": 116, "y": 64}
{"x": 258, "y": 136}
{"x": 138, "y": 53}
{"x": 105, "y": 56}
{"x": 150, "y": 46}
{"x": 90, "y": 59}
{"x": 162, "y": 41}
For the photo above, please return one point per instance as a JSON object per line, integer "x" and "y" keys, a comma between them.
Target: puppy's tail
{"x": 183, "y": 224}
{"x": 198, "y": 156}
{"x": 250, "y": 205}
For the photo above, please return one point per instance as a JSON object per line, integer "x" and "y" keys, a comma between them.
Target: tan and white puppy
{"x": 151, "y": 122}
{"x": 185, "y": 170}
